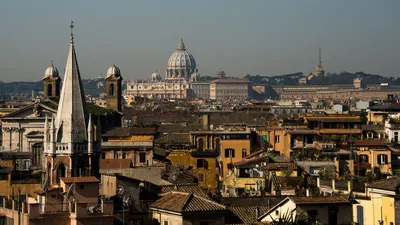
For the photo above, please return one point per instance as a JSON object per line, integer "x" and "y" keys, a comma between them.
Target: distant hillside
{"x": 89, "y": 86}
{"x": 328, "y": 79}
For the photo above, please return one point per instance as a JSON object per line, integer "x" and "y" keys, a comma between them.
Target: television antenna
{"x": 66, "y": 195}
{"x": 125, "y": 200}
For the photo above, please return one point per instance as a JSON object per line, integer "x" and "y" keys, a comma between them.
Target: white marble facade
{"x": 181, "y": 71}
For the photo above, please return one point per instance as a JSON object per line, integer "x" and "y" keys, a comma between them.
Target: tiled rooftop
{"x": 184, "y": 202}
{"x": 69, "y": 180}
{"x": 390, "y": 184}
{"x": 187, "y": 188}
{"x": 319, "y": 200}
{"x": 130, "y": 131}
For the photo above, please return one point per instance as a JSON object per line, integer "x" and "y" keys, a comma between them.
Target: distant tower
{"x": 51, "y": 82}
{"x": 221, "y": 74}
{"x": 319, "y": 70}
{"x": 114, "y": 88}
{"x": 357, "y": 83}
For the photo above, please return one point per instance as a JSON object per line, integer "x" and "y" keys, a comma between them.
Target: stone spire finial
{"x": 72, "y": 32}
{"x": 181, "y": 45}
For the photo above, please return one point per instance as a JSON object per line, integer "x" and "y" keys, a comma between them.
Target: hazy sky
{"x": 240, "y": 37}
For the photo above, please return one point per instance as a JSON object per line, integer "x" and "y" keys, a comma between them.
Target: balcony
{"x": 362, "y": 165}
{"x": 126, "y": 144}
{"x": 339, "y": 131}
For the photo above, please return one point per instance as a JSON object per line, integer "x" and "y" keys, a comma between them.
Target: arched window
{"x": 49, "y": 90}
{"x": 60, "y": 171}
{"x": 111, "y": 90}
{"x": 200, "y": 144}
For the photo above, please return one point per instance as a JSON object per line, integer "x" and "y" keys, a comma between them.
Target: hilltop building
{"x": 319, "y": 72}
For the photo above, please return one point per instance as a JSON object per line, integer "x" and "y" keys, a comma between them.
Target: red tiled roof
{"x": 69, "y": 180}
{"x": 375, "y": 142}
{"x": 130, "y": 131}
{"x": 115, "y": 163}
{"x": 184, "y": 202}
{"x": 254, "y": 154}
{"x": 280, "y": 166}
{"x": 319, "y": 200}
{"x": 187, "y": 188}
{"x": 390, "y": 184}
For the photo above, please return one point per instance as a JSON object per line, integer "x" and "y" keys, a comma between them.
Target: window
{"x": 202, "y": 163}
{"x": 202, "y": 177}
{"x": 201, "y": 144}
{"x": 363, "y": 158}
{"x": 81, "y": 187}
{"x": 17, "y": 165}
{"x": 229, "y": 153}
{"x": 277, "y": 139}
{"x": 103, "y": 155}
{"x": 382, "y": 159}
{"x": 124, "y": 155}
{"x": 137, "y": 222}
{"x": 111, "y": 91}
{"x": 27, "y": 164}
{"x": 142, "y": 157}
{"x": 244, "y": 153}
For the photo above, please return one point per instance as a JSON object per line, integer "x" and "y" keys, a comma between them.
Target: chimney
{"x": 307, "y": 192}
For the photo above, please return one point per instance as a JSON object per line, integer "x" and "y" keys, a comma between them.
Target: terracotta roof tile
{"x": 319, "y": 200}
{"x": 184, "y": 202}
{"x": 390, "y": 184}
{"x": 130, "y": 131}
{"x": 254, "y": 154}
{"x": 281, "y": 166}
{"x": 69, "y": 180}
{"x": 375, "y": 142}
{"x": 115, "y": 163}
{"x": 247, "y": 214}
{"x": 187, "y": 188}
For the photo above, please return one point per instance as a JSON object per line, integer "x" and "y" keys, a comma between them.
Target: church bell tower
{"x": 51, "y": 82}
{"x": 114, "y": 88}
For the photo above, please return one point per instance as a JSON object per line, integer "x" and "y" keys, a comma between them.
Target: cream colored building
{"x": 230, "y": 88}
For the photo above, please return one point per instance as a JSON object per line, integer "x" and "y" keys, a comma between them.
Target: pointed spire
{"x": 46, "y": 134}
{"x": 98, "y": 129}
{"x": 52, "y": 137}
{"x": 72, "y": 110}
{"x": 90, "y": 135}
{"x": 90, "y": 125}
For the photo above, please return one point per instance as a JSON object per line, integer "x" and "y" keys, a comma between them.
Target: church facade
{"x": 181, "y": 72}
